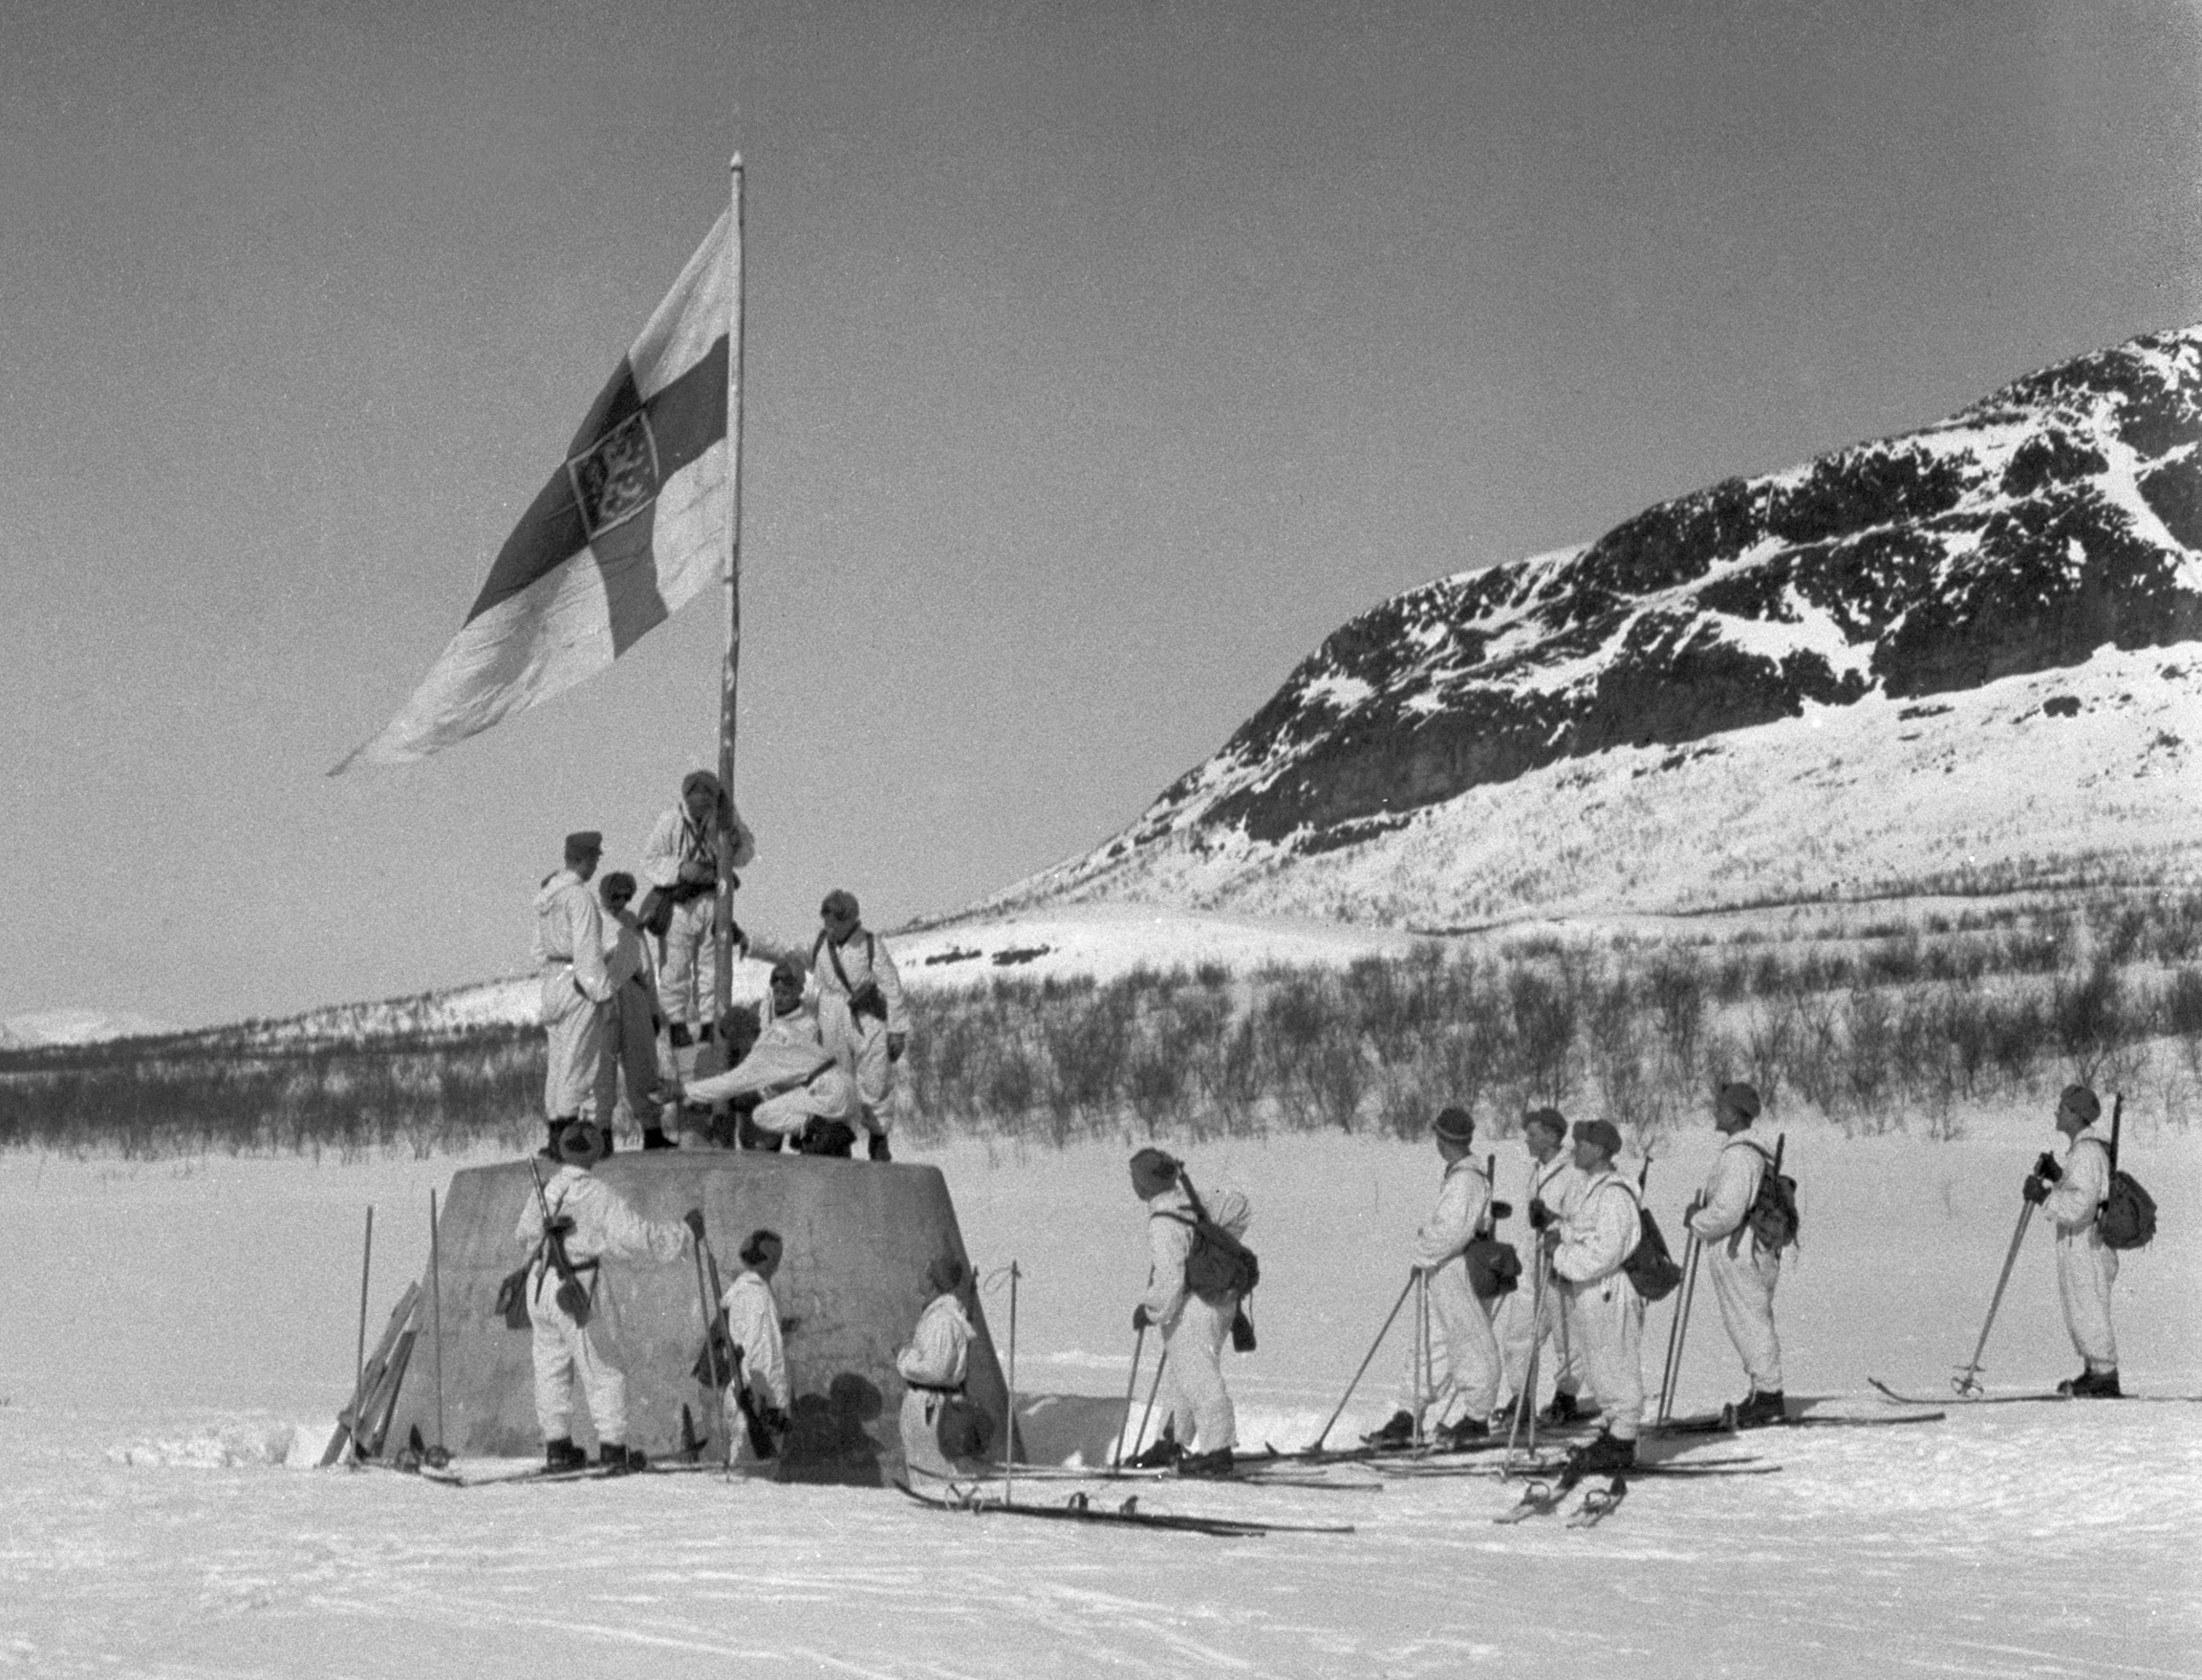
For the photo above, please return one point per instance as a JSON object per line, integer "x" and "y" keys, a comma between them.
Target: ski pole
{"x": 1316, "y": 1445}
{"x": 705, "y": 1256}
{"x": 1671, "y": 1375}
{"x": 436, "y": 1318}
{"x": 1130, "y": 1393}
{"x": 1966, "y": 1381}
{"x": 359, "y": 1358}
{"x": 1146, "y": 1416}
{"x": 712, "y": 1399}
{"x": 1009, "y": 1433}
{"x": 1526, "y": 1402}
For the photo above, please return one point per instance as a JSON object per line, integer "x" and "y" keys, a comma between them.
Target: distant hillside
{"x": 1962, "y": 654}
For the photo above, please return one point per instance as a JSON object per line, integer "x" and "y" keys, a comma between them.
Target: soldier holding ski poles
{"x": 2069, "y": 1196}
{"x": 1742, "y": 1268}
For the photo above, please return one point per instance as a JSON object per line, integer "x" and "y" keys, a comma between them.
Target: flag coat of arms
{"x": 626, "y": 529}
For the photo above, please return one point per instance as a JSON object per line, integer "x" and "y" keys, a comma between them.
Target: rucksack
{"x": 1772, "y": 1216}
{"x": 1218, "y": 1266}
{"x": 2127, "y": 1216}
{"x": 1650, "y": 1266}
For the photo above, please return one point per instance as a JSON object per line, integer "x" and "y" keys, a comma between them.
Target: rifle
{"x": 572, "y": 1295}
{"x": 753, "y": 1423}
{"x": 2117, "y": 1113}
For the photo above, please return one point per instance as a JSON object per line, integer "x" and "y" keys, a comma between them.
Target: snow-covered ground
{"x": 178, "y": 1336}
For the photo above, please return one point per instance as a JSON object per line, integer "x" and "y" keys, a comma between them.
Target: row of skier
{"x": 1588, "y": 1288}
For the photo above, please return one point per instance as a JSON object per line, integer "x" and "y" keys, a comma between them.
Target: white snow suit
{"x": 688, "y": 962}
{"x": 791, "y": 1062}
{"x": 570, "y": 947}
{"x": 1744, "y": 1272}
{"x": 1463, "y": 1356}
{"x": 1604, "y": 1310}
{"x": 1193, "y": 1328}
{"x": 934, "y": 1367}
{"x": 753, "y": 1325}
{"x": 1559, "y": 1185}
{"x": 860, "y": 1043}
{"x": 605, "y": 1228}
{"x": 630, "y": 1055}
{"x": 2085, "y": 1265}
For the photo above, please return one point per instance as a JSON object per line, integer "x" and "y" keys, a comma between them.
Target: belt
{"x": 933, "y": 1387}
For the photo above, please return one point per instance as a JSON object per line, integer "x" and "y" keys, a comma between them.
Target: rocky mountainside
{"x": 2053, "y": 527}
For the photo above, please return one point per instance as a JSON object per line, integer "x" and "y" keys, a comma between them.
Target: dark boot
{"x": 1465, "y": 1431}
{"x": 1398, "y": 1431}
{"x": 1162, "y": 1456}
{"x": 2092, "y": 1385}
{"x": 876, "y": 1147}
{"x": 1603, "y": 1455}
{"x": 1765, "y": 1407}
{"x": 620, "y": 1460}
{"x": 1215, "y": 1463}
{"x": 1563, "y": 1407}
{"x": 563, "y": 1454}
{"x": 654, "y": 1138}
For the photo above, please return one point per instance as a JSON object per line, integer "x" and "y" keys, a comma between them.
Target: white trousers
{"x": 629, "y": 1060}
{"x": 1744, "y": 1284}
{"x": 1607, "y": 1320}
{"x": 688, "y": 964}
{"x": 563, "y": 1352}
{"x": 1519, "y": 1326}
{"x": 1462, "y": 1358}
{"x": 861, "y": 1049}
{"x": 2085, "y": 1269}
{"x": 1199, "y": 1407}
{"x": 573, "y": 1048}
{"x": 921, "y": 1422}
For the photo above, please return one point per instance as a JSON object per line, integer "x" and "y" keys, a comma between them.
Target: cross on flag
{"x": 625, "y": 531}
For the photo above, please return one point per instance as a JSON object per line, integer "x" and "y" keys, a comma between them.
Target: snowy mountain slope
{"x": 77, "y": 1026}
{"x": 2057, "y": 520}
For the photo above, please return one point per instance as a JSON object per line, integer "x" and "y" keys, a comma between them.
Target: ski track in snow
{"x": 182, "y": 1333}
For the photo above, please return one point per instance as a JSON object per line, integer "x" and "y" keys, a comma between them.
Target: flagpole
{"x": 724, "y": 933}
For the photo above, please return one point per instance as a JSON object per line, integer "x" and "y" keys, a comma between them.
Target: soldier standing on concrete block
{"x": 1202, "y": 1428}
{"x": 697, "y": 844}
{"x": 1743, "y": 1270}
{"x": 753, "y": 1328}
{"x": 579, "y": 1216}
{"x": 788, "y": 1084}
{"x": 1602, "y": 1305}
{"x": 570, "y": 947}
{"x": 630, "y": 1022}
{"x": 940, "y": 1437}
{"x": 1555, "y": 1191}
{"x": 2086, "y": 1266}
{"x": 860, "y": 1009}
{"x": 1471, "y": 1366}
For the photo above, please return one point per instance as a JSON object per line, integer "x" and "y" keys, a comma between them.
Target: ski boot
{"x": 1563, "y": 1407}
{"x": 563, "y": 1454}
{"x": 654, "y": 1138}
{"x": 2092, "y": 1385}
{"x": 1398, "y": 1431}
{"x": 618, "y": 1460}
{"x": 1463, "y": 1433}
{"x": 875, "y": 1148}
{"x": 1601, "y": 1456}
{"x": 1162, "y": 1456}
{"x": 1765, "y": 1407}
{"x": 1212, "y": 1464}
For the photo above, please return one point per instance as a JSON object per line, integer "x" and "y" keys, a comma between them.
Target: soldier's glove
{"x": 896, "y": 1043}
{"x": 1549, "y": 1236}
{"x": 2035, "y": 1190}
{"x": 2047, "y": 1167}
{"x": 1139, "y": 1319}
{"x": 560, "y": 1227}
{"x": 693, "y": 1219}
{"x": 1540, "y": 1216}
{"x": 876, "y": 1147}
{"x": 1502, "y": 1210}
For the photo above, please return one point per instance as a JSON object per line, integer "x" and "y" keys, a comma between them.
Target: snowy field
{"x": 179, "y": 1336}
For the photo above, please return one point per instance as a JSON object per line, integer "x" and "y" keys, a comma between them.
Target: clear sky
{"x": 1102, "y": 358}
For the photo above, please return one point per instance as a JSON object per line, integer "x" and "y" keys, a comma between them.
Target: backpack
{"x": 1650, "y": 1266}
{"x": 1772, "y": 1217}
{"x": 2127, "y": 1216}
{"x": 1494, "y": 1268}
{"x": 1219, "y": 1267}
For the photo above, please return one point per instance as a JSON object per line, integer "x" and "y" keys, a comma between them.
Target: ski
{"x": 1539, "y": 1499}
{"x": 1079, "y": 1508}
{"x": 1600, "y": 1503}
{"x": 1250, "y": 1473}
{"x": 1724, "y": 1423}
{"x": 1406, "y": 1452}
{"x": 541, "y": 1473}
{"x": 1741, "y": 1464}
{"x": 2051, "y": 1395}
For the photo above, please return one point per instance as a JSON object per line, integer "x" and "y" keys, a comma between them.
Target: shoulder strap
{"x": 833, "y": 954}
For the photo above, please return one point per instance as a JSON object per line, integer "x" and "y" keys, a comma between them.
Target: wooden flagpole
{"x": 723, "y": 934}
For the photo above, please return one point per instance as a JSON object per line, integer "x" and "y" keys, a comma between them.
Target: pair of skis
{"x": 1547, "y": 1495}
{"x": 1724, "y": 1423}
{"x": 1080, "y": 1507}
{"x": 1978, "y": 1398}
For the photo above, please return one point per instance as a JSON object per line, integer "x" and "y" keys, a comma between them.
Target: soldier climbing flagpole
{"x": 723, "y": 929}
